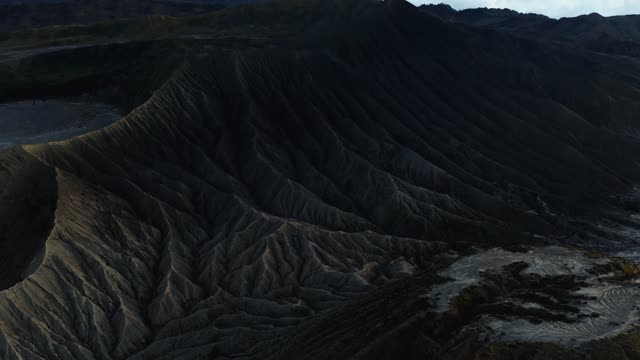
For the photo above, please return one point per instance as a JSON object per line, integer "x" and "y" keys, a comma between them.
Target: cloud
{"x": 553, "y": 8}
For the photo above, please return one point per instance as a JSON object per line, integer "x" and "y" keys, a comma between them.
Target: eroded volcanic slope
{"x": 614, "y": 34}
{"x": 284, "y": 167}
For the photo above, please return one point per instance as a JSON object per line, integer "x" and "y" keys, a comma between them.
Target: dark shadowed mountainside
{"x": 320, "y": 179}
{"x": 23, "y": 15}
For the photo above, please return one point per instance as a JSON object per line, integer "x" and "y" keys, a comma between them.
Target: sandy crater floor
{"x": 29, "y": 122}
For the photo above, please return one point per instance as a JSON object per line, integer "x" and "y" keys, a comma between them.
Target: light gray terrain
{"x": 606, "y": 308}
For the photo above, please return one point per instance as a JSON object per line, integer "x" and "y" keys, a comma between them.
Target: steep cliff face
{"x": 298, "y": 156}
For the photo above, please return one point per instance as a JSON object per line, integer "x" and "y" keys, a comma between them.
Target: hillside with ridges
{"x": 265, "y": 179}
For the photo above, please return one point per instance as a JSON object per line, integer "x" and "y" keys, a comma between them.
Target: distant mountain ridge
{"x": 615, "y": 34}
{"x": 500, "y": 18}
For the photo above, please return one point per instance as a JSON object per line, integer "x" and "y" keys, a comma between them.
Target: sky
{"x": 552, "y": 8}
